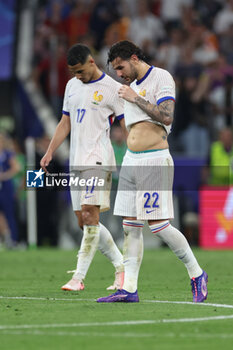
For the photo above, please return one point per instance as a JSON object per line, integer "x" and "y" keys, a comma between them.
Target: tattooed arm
{"x": 162, "y": 113}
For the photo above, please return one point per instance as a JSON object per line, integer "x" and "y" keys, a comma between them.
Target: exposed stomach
{"x": 145, "y": 136}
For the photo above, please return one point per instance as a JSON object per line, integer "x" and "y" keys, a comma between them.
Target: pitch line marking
{"x": 120, "y": 335}
{"x": 116, "y": 323}
{"x": 86, "y": 324}
{"x": 189, "y": 303}
{"x": 45, "y": 299}
{"x": 226, "y": 306}
{"x": 86, "y": 334}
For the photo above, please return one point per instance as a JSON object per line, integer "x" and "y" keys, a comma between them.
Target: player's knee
{"x": 88, "y": 216}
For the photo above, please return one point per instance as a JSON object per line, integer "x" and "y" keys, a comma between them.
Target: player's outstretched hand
{"x": 45, "y": 162}
{"x": 127, "y": 93}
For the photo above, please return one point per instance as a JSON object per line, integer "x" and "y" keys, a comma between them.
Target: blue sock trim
{"x": 133, "y": 223}
{"x": 160, "y": 227}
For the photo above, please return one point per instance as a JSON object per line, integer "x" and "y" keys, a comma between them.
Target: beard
{"x": 132, "y": 74}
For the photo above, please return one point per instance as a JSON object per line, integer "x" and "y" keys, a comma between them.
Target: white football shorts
{"x": 145, "y": 186}
{"x": 92, "y": 194}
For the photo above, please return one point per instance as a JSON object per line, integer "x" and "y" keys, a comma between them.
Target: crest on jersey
{"x": 142, "y": 93}
{"x": 97, "y": 98}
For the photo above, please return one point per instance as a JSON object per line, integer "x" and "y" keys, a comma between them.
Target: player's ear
{"x": 134, "y": 58}
{"x": 91, "y": 60}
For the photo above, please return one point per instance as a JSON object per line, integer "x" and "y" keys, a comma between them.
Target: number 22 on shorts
{"x": 155, "y": 197}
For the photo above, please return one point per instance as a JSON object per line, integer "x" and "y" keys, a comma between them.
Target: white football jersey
{"x": 156, "y": 86}
{"x": 92, "y": 108}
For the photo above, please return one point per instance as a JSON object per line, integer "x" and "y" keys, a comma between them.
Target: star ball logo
{"x": 35, "y": 178}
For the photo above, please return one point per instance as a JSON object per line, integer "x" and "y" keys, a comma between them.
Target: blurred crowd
{"x": 192, "y": 39}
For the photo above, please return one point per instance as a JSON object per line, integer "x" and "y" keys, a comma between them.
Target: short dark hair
{"x": 125, "y": 49}
{"x": 78, "y": 53}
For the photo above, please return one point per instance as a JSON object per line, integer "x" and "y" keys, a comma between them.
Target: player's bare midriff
{"x": 146, "y": 136}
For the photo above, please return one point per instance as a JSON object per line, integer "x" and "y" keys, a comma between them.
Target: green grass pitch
{"x": 36, "y": 314}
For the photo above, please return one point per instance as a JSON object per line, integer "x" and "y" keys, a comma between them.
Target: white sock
{"x": 179, "y": 245}
{"x": 89, "y": 245}
{"x": 109, "y": 249}
{"x": 132, "y": 253}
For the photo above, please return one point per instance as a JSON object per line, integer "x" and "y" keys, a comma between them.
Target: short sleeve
{"x": 118, "y": 104}
{"x": 165, "y": 87}
{"x": 65, "y": 108}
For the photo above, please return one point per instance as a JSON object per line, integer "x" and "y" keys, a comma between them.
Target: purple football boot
{"x": 199, "y": 288}
{"x": 121, "y": 296}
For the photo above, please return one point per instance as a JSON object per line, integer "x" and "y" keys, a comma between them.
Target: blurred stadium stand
{"x": 194, "y": 44}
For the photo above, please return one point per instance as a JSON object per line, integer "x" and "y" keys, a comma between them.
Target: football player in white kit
{"x": 146, "y": 178}
{"x": 91, "y": 103}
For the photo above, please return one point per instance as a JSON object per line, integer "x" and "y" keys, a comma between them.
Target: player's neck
{"x": 142, "y": 69}
{"x": 97, "y": 74}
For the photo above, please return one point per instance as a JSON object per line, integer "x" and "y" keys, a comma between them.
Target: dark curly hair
{"x": 125, "y": 49}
